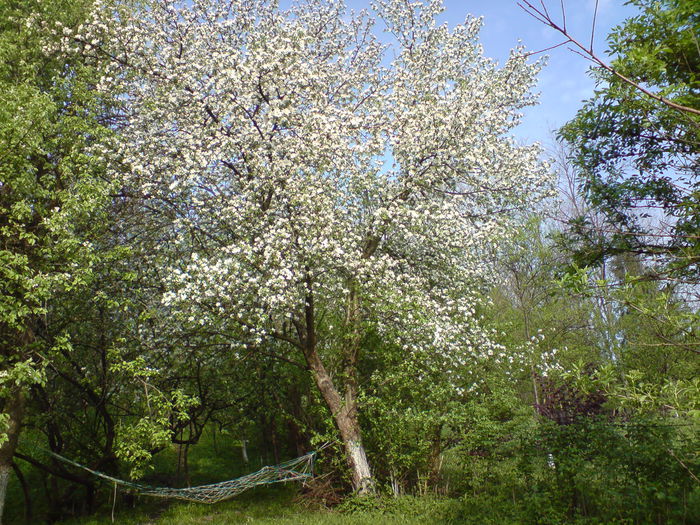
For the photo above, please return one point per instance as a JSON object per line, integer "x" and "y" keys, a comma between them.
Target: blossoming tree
{"x": 325, "y": 183}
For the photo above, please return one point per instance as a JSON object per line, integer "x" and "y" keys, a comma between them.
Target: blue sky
{"x": 563, "y": 83}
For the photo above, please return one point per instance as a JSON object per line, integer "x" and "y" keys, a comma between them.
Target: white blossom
{"x": 305, "y": 158}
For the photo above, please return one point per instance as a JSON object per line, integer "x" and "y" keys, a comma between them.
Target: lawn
{"x": 280, "y": 506}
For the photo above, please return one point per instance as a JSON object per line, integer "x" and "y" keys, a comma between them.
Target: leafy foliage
{"x": 231, "y": 233}
{"x": 638, "y": 155}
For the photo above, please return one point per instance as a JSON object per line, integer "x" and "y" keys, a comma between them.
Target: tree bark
{"x": 345, "y": 415}
{"x": 244, "y": 450}
{"x": 343, "y": 409}
{"x": 14, "y": 408}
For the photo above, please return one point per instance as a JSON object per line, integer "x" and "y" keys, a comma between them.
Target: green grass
{"x": 277, "y": 506}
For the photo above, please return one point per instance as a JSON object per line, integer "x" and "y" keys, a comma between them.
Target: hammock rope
{"x": 297, "y": 469}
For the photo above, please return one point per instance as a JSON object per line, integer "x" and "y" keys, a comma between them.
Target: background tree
{"x": 50, "y": 199}
{"x": 634, "y": 145}
{"x": 637, "y": 140}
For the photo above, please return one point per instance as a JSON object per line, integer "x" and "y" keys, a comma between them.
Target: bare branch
{"x": 533, "y": 12}
{"x": 692, "y": 475}
{"x": 531, "y": 53}
{"x": 543, "y": 16}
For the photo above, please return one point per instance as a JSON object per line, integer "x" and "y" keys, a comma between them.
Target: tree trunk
{"x": 4, "y": 479}
{"x": 298, "y": 442}
{"x": 343, "y": 409}
{"x": 14, "y": 408}
{"x": 244, "y": 450}
{"x": 345, "y": 416}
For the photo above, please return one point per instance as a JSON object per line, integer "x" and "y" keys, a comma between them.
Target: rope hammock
{"x": 297, "y": 469}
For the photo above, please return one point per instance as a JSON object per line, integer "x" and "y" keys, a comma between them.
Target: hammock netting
{"x": 297, "y": 469}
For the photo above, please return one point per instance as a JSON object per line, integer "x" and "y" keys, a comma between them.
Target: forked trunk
{"x": 13, "y": 407}
{"x": 345, "y": 415}
{"x": 344, "y": 411}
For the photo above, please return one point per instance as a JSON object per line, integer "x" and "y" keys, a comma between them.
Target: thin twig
{"x": 595, "y": 18}
{"x": 684, "y": 465}
{"x": 534, "y": 13}
{"x": 563, "y": 14}
{"x": 531, "y": 53}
